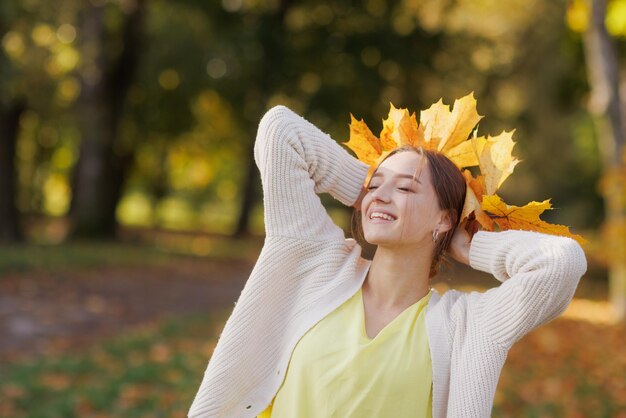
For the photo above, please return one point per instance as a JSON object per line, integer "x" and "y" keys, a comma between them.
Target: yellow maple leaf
{"x": 495, "y": 159}
{"x": 524, "y": 217}
{"x": 399, "y": 129}
{"x": 465, "y": 154}
{"x": 443, "y": 129}
{"x": 363, "y": 142}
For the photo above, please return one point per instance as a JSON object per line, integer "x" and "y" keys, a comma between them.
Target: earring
{"x": 435, "y": 235}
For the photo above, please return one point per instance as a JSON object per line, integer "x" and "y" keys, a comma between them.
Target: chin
{"x": 380, "y": 239}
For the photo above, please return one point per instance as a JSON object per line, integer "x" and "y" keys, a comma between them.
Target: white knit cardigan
{"x": 307, "y": 268}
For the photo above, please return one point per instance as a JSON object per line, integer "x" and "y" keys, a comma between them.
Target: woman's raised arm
{"x": 297, "y": 161}
{"x": 539, "y": 275}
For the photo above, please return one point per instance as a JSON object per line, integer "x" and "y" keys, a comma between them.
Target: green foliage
{"x": 208, "y": 71}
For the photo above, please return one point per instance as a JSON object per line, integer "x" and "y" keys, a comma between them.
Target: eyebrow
{"x": 403, "y": 176}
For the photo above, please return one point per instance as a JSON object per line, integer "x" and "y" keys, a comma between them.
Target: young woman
{"x": 319, "y": 331}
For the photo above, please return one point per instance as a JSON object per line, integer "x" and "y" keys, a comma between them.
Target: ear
{"x": 445, "y": 222}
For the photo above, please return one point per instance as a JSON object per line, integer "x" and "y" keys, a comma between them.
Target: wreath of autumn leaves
{"x": 452, "y": 133}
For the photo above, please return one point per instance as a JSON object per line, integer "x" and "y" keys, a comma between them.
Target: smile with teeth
{"x": 380, "y": 215}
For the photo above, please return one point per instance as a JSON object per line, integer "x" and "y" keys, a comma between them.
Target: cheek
{"x": 418, "y": 214}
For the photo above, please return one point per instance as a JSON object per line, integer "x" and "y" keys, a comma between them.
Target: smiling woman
{"x": 320, "y": 331}
{"x": 417, "y": 177}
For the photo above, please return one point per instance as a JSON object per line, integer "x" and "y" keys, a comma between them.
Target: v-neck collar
{"x": 362, "y": 330}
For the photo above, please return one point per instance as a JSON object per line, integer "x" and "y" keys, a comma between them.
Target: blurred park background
{"x": 131, "y": 209}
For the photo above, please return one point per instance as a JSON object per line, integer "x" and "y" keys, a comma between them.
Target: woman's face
{"x": 398, "y": 209}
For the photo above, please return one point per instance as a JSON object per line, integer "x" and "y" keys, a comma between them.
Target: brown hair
{"x": 450, "y": 187}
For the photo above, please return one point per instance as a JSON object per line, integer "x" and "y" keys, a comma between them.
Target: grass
{"x": 154, "y": 371}
{"x": 27, "y": 257}
{"x": 154, "y": 249}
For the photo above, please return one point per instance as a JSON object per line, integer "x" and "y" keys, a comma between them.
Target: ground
{"x": 121, "y": 331}
{"x": 41, "y": 312}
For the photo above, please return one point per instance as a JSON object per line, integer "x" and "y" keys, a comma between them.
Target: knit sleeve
{"x": 539, "y": 275}
{"x": 297, "y": 161}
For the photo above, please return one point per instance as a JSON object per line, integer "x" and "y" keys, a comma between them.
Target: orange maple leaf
{"x": 524, "y": 217}
{"x": 363, "y": 142}
{"x": 473, "y": 196}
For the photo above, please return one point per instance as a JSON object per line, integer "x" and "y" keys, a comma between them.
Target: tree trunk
{"x": 606, "y": 107}
{"x": 102, "y": 168}
{"x": 248, "y": 199}
{"x": 9, "y": 216}
{"x": 90, "y": 175}
{"x": 274, "y": 44}
{"x": 10, "y": 112}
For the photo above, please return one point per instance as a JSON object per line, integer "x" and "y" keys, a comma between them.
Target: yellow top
{"x": 336, "y": 370}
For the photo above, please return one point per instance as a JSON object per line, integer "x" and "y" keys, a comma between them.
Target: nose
{"x": 381, "y": 194}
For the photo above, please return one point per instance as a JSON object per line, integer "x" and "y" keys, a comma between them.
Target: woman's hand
{"x": 460, "y": 245}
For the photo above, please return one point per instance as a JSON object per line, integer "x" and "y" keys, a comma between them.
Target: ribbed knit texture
{"x": 307, "y": 268}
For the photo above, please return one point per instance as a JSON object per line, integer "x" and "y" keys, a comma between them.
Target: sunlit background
{"x": 126, "y": 134}
{"x": 166, "y": 96}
